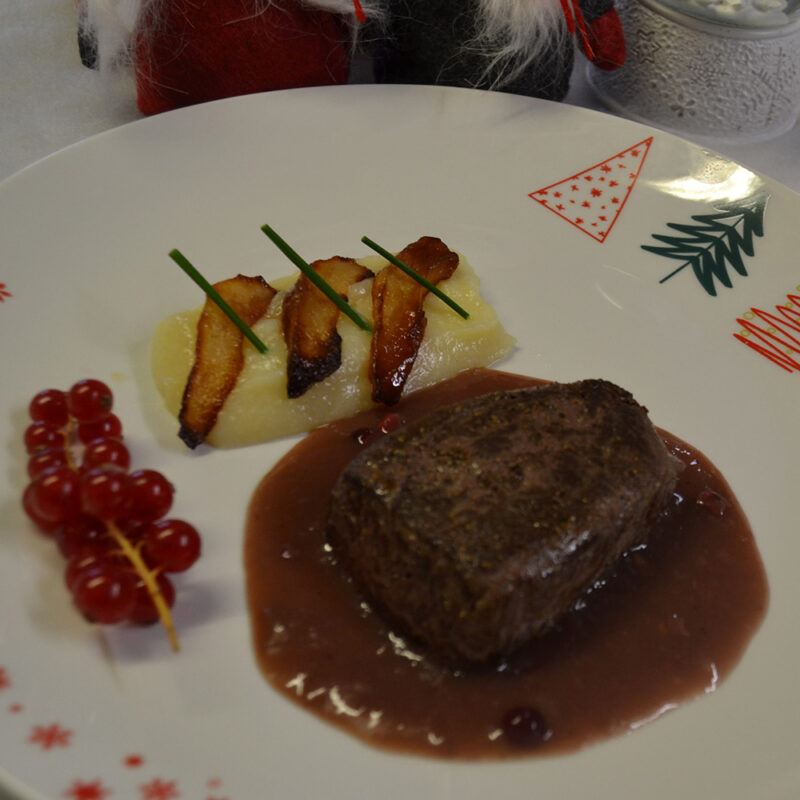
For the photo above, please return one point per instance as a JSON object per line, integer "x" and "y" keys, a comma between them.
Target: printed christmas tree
{"x": 593, "y": 199}
{"x": 714, "y": 245}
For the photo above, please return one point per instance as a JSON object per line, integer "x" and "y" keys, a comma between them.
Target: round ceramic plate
{"x": 555, "y": 207}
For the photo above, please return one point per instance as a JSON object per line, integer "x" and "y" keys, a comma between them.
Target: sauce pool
{"x": 670, "y": 622}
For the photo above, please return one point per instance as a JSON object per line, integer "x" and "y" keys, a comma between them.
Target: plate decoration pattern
{"x": 132, "y": 779}
{"x": 593, "y": 199}
{"x": 776, "y": 336}
{"x": 714, "y": 244}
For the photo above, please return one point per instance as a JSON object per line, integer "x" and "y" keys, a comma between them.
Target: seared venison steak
{"x": 476, "y": 528}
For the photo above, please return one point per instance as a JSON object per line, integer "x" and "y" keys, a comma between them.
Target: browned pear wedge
{"x": 398, "y": 319}
{"x": 309, "y": 323}
{"x": 218, "y": 356}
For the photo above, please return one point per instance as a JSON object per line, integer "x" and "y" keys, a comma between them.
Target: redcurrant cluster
{"x": 109, "y": 523}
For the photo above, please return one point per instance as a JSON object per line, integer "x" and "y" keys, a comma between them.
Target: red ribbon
{"x": 573, "y": 16}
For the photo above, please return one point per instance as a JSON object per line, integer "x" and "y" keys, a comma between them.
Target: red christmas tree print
{"x": 4, "y": 293}
{"x": 159, "y": 790}
{"x": 50, "y": 736}
{"x": 593, "y": 199}
{"x": 87, "y": 791}
{"x": 778, "y": 336}
{"x": 5, "y": 681}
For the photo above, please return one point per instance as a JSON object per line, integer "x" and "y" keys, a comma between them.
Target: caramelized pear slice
{"x": 398, "y": 319}
{"x": 218, "y": 356}
{"x": 309, "y": 319}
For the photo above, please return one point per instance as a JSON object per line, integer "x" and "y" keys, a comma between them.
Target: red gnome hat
{"x": 192, "y": 51}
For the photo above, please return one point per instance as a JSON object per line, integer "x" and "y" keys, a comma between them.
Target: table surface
{"x": 49, "y": 100}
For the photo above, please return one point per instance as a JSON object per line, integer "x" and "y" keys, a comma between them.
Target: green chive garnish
{"x": 316, "y": 279}
{"x": 415, "y": 275}
{"x": 195, "y": 275}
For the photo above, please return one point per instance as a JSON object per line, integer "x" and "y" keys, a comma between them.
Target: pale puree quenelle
{"x": 258, "y": 408}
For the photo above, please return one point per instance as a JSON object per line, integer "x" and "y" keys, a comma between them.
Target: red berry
{"x": 42, "y": 436}
{"x": 131, "y": 529}
{"x": 144, "y": 610}
{"x": 84, "y": 533}
{"x": 172, "y": 544}
{"x": 105, "y": 452}
{"x": 45, "y": 525}
{"x": 45, "y": 459}
{"x": 89, "y": 400}
{"x": 109, "y": 427}
{"x": 150, "y": 496}
{"x": 106, "y": 595}
{"x": 104, "y": 492}
{"x": 55, "y": 495}
{"x": 89, "y": 560}
{"x": 50, "y": 406}
{"x": 390, "y": 422}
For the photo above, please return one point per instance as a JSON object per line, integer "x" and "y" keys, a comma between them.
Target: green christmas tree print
{"x": 716, "y": 244}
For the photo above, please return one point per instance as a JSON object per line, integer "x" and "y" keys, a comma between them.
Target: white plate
{"x": 84, "y": 278}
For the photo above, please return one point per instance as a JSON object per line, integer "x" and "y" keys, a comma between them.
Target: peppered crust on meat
{"x": 477, "y": 527}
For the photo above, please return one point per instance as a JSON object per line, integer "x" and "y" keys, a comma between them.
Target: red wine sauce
{"x": 669, "y": 623}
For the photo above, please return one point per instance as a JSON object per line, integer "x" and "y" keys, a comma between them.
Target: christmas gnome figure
{"x": 184, "y": 52}
{"x": 520, "y": 46}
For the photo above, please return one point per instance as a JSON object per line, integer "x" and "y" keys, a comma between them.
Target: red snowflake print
{"x": 214, "y": 784}
{"x": 133, "y": 761}
{"x": 87, "y": 791}
{"x": 620, "y": 170}
{"x": 159, "y": 790}
{"x": 5, "y": 680}
{"x": 4, "y": 293}
{"x": 50, "y": 736}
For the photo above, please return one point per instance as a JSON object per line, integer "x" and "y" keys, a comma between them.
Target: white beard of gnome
{"x": 523, "y": 46}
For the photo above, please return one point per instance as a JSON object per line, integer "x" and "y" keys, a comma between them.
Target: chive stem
{"x": 195, "y": 275}
{"x": 316, "y": 279}
{"x": 393, "y": 259}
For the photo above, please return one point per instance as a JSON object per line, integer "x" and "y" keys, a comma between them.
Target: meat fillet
{"x": 480, "y": 525}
